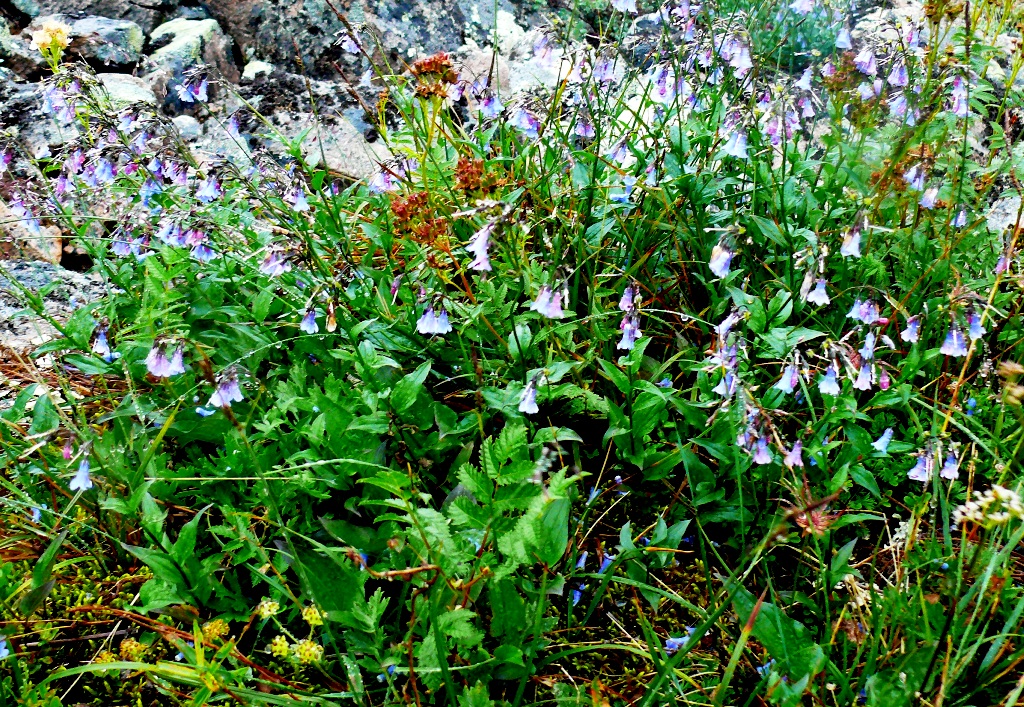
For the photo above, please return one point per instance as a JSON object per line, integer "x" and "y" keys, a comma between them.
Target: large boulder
{"x": 145, "y": 13}
{"x": 117, "y": 42}
{"x": 183, "y": 44}
{"x": 17, "y": 54}
{"x": 97, "y": 39}
{"x": 291, "y": 31}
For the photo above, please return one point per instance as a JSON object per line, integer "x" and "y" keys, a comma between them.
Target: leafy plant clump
{"x": 692, "y": 380}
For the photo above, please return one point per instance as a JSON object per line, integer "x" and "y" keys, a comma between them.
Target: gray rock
{"x": 340, "y": 147}
{"x": 255, "y": 68}
{"x": 145, "y": 13}
{"x": 125, "y": 90}
{"x": 290, "y": 31}
{"x": 17, "y": 54}
{"x": 183, "y": 44}
{"x": 106, "y": 40}
{"x": 100, "y": 39}
{"x": 188, "y": 127}
{"x": 1003, "y": 214}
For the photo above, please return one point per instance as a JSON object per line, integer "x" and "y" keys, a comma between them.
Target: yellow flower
{"x": 51, "y": 35}
{"x": 267, "y": 608}
{"x": 216, "y": 628}
{"x": 132, "y": 649}
{"x": 279, "y": 647}
{"x": 312, "y": 616}
{"x": 105, "y": 657}
{"x": 307, "y": 651}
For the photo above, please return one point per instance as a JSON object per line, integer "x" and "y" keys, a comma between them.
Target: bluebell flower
{"x": 819, "y": 295}
{"x": 921, "y": 470}
{"x": 959, "y": 105}
{"x": 433, "y": 323}
{"x": 105, "y": 172}
{"x": 763, "y": 670}
{"x": 308, "y": 324}
{"x": 594, "y": 491}
{"x": 148, "y": 190}
{"x": 275, "y": 264}
{"x": 762, "y": 455}
{"x": 479, "y": 245}
{"x": 972, "y": 403}
{"x": 204, "y": 412}
{"x": 929, "y": 197}
{"x": 528, "y": 399}
{"x": 961, "y": 219}
{"x": 804, "y": 84}
{"x": 226, "y": 392}
{"x": 975, "y": 330}
{"x": 350, "y": 44}
{"x": 606, "y": 563}
{"x": 898, "y": 74}
{"x": 630, "y": 327}
{"x": 865, "y": 377}
{"x": 882, "y": 443}
{"x": 789, "y": 380}
{"x": 527, "y": 123}
{"x": 581, "y": 563}
{"x": 208, "y": 190}
{"x": 794, "y": 457}
{"x": 865, "y": 62}
{"x": 721, "y": 257}
{"x": 829, "y": 383}
{"x": 867, "y": 351}
{"x": 673, "y": 644}
{"x": 951, "y": 468}
{"x": 5, "y": 652}
{"x": 915, "y": 178}
{"x": 81, "y": 480}
{"x": 913, "y": 330}
{"x": 548, "y": 303}
{"x": 299, "y": 201}
{"x": 843, "y": 39}
{"x": 584, "y": 128}
{"x": 491, "y": 107}
{"x": 736, "y": 145}
{"x": 851, "y": 243}
{"x": 577, "y": 594}
{"x": 954, "y": 345}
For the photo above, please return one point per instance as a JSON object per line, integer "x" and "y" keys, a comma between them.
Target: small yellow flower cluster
{"x": 312, "y": 616}
{"x": 995, "y": 506}
{"x": 267, "y": 608}
{"x": 105, "y": 657}
{"x": 307, "y": 651}
{"x": 52, "y": 34}
{"x": 216, "y": 628}
{"x": 131, "y": 649}
{"x": 279, "y": 647}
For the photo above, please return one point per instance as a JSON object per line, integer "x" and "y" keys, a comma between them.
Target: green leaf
{"x": 45, "y": 416}
{"x": 553, "y": 531}
{"x": 866, "y": 479}
{"x": 788, "y": 641}
{"x": 44, "y": 567}
{"x": 403, "y": 397}
{"x": 333, "y": 584}
{"x": 615, "y": 375}
{"x": 508, "y": 610}
{"x": 185, "y": 545}
{"x": 34, "y": 599}
{"x": 162, "y": 564}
